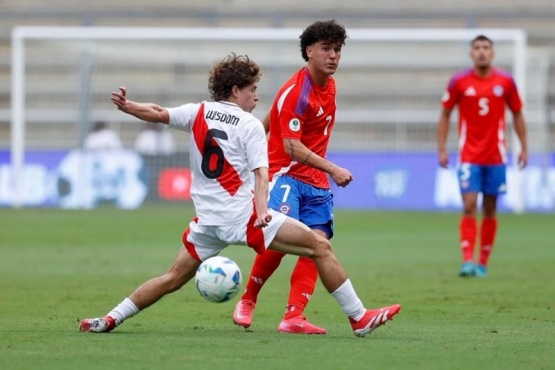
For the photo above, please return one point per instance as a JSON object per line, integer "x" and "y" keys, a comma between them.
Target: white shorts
{"x": 204, "y": 241}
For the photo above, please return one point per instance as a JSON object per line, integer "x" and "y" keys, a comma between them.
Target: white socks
{"x": 124, "y": 310}
{"x": 348, "y": 300}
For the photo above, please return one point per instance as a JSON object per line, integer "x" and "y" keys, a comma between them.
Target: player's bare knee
{"x": 469, "y": 210}
{"x": 322, "y": 247}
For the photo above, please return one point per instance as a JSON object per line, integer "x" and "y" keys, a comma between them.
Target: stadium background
{"x": 58, "y": 266}
{"x": 394, "y": 161}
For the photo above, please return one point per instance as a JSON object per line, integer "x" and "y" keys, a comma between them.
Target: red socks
{"x": 303, "y": 280}
{"x": 303, "y": 283}
{"x": 264, "y": 266}
{"x": 487, "y": 238}
{"x": 467, "y": 229}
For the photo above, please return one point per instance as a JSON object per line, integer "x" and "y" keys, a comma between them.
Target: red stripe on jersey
{"x": 229, "y": 178}
{"x": 188, "y": 245}
{"x": 255, "y": 237}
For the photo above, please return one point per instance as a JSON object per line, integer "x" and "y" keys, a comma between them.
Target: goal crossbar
{"x": 22, "y": 33}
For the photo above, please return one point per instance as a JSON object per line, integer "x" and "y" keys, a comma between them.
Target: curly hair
{"x": 233, "y": 70}
{"x": 327, "y": 31}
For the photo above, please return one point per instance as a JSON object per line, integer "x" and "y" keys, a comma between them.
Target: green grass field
{"x": 59, "y": 266}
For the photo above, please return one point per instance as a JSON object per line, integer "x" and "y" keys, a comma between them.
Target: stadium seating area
{"x": 535, "y": 16}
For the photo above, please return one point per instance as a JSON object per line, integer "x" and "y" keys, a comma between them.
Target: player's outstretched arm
{"x": 144, "y": 111}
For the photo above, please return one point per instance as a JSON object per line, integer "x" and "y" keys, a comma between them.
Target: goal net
{"x": 389, "y": 86}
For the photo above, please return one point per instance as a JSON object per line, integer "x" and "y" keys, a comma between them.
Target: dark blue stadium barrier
{"x": 395, "y": 181}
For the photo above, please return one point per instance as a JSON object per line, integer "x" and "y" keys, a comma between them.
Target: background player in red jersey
{"x": 300, "y": 122}
{"x": 482, "y": 93}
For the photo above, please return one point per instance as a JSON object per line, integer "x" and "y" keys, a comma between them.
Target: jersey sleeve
{"x": 182, "y": 117}
{"x": 450, "y": 96}
{"x": 290, "y": 121}
{"x": 256, "y": 146}
{"x": 513, "y": 98}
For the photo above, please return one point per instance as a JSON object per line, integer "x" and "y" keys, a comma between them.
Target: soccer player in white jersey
{"x": 227, "y": 144}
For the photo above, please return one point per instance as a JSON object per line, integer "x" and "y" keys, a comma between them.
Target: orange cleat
{"x": 299, "y": 325}
{"x": 373, "y": 319}
{"x": 242, "y": 316}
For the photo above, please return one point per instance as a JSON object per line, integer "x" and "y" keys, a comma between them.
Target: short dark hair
{"x": 327, "y": 31}
{"x": 481, "y": 38}
{"x": 233, "y": 70}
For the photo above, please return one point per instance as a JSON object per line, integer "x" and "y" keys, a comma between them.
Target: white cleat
{"x": 98, "y": 325}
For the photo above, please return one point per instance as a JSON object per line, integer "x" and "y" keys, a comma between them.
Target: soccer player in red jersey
{"x": 482, "y": 93}
{"x": 300, "y": 122}
{"x": 227, "y": 145}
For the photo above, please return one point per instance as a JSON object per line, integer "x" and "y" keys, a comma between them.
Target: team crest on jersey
{"x": 295, "y": 125}
{"x": 285, "y": 208}
{"x": 445, "y": 96}
{"x": 498, "y": 90}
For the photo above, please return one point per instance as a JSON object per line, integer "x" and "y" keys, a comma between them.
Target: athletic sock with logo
{"x": 303, "y": 283}
{"x": 468, "y": 230}
{"x": 488, "y": 231}
{"x": 263, "y": 267}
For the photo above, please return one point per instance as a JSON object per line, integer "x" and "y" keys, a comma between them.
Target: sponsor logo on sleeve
{"x": 295, "y": 125}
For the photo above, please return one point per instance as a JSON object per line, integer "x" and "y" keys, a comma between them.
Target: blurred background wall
{"x": 536, "y": 17}
{"x": 51, "y": 81}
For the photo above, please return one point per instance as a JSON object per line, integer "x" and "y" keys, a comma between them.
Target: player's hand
{"x": 341, "y": 176}
{"x": 443, "y": 158}
{"x": 120, "y": 98}
{"x": 262, "y": 220}
{"x": 522, "y": 159}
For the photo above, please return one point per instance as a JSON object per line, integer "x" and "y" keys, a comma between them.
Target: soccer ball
{"x": 218, "y": 279}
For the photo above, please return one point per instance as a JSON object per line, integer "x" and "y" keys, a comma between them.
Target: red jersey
{"x": 482, "y": 104}
{"x": 302, "y": 111}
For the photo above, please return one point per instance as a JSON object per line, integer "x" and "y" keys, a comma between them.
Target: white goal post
{"x": 275, "y": 48}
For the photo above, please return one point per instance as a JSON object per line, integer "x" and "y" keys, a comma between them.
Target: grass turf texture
{"x": 59, "y": 266}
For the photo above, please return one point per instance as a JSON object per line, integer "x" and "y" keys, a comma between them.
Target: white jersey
{"x": 227, "y": 144}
